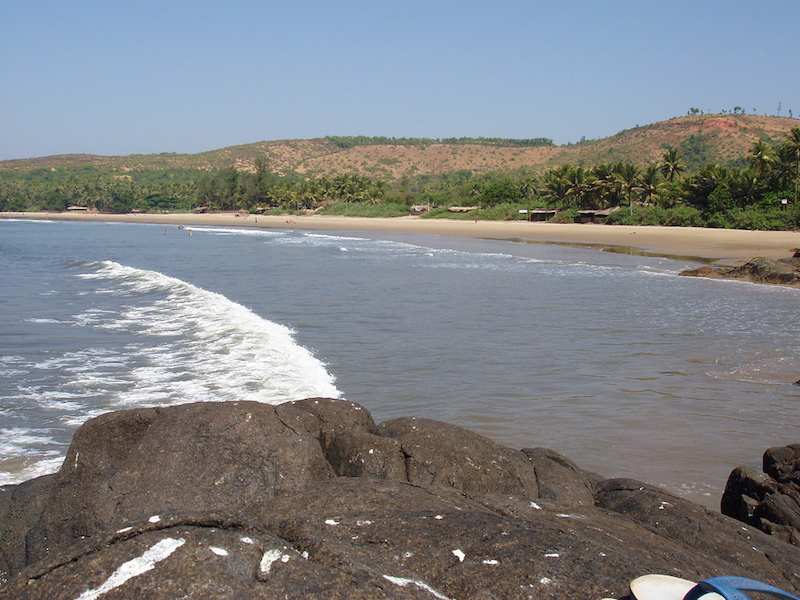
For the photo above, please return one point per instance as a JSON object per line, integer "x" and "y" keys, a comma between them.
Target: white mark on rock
{"x": 247, "y": 540}
{"x": 363, "y": 523}
{"x": 154, "y": 519}
{"x": 305, "y": 554}
{"x": 663, "y": 504}
{"x": 459, "y": 554}
{"x": 491, "y": 561}
{"x": 218, "y": 551}
{"x": 551, "y": 555}
{"x": 438, "y": 517}
{"x": 403, "y": 582}
{"x": 77, "y": 454}
{"x": 124, "y": 529}
{"x": 603, "y": 554}
{"x": 545, "y": 581}
{"x": 372, "y": 451}
{"x": 134, "y": 567}
{"x": 536, "y": 506}
{"x": 270, "y": 556}
{"x": 569, "y": 516}
{"x": 331, "y": 522}
{"x": 408, "y": 554}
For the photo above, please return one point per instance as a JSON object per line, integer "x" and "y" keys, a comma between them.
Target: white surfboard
{"x": 665, "y": 587}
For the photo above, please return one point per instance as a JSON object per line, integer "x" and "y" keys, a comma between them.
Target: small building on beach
{"x": 541, "y": 214}
{"x": 78, "y": 208}
{"x": 595, "y": 216}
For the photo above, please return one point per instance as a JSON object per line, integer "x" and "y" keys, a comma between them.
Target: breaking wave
{"x": 213, "y": 348}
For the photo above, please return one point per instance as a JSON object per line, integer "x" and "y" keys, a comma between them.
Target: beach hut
{"x": 77, "y": 208}
{"x": 541, "y": 214}
{"x": 595, "y": 216}
{"x": 200, "y": 210}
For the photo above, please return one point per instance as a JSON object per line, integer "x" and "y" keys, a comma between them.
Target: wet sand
{"x": 723, "y": 245}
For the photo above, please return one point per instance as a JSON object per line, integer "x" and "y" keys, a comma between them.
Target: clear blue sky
{"x": 118, "y": 77}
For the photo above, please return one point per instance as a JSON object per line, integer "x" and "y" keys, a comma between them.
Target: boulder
{"x": 559, "y": 479}
{"x": 440, "y": 454}
{"x": 20, "y": 508}
{"x": 756, "y": 270}
{"x": 312, "y": 499}
{"x": 367, "y": 538}
{"x": 127, "y": 466}
{"x": 770, "y": 500}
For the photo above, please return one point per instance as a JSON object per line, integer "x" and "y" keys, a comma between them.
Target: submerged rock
{"x": 785, "y": 271}
{"x": 770, "y": 500}
{"x": 312, "y": 499}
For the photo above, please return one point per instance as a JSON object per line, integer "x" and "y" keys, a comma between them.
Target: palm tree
{"x": 649, "y": 182}
{"x": 762, "y": 158}
{"x": 671, "y": 164}
{"x": 628, "y": 175}
{"x": 577, "y": 186}
{"x": 555, "y": 185}
{"x": 794, "y": 145}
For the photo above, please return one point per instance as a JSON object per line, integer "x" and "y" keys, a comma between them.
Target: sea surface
{"x": 611, "y": 359}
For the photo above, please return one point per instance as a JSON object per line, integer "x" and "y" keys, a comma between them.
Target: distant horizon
{"x": 186, "y": 77}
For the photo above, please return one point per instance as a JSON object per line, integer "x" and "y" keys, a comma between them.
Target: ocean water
{"x": 611, "y": 359}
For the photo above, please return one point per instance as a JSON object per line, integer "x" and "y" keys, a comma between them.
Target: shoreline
{"x": 722, "y": 246}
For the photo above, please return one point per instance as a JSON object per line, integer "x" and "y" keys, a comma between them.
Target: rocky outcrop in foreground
{"x": 785, "y": 271}
{"x": 312, "y": 499}
{"x": 770, "y": 500}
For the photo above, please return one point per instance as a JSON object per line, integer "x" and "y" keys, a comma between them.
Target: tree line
{"x": 760, "y": 192}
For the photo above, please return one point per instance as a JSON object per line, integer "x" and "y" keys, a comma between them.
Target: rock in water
{"x": 785, "y": 271}
{"x": 312, "y": 499}
{"x": 770, "y": 500}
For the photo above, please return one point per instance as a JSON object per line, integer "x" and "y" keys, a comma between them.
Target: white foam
{"x": 135, "y": 567}
{"x": 235, "y": 231}
{"x": 12, "y": 220}
{"x": 15, "y": 441}
{"x": 224, "y": 351}
{"x": 43, "y": 321}
{"x": 37, "y": 469}
{"x": 323, "y": 236}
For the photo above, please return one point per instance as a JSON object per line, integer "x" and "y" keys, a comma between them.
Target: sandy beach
{"x": 722, "y": 245}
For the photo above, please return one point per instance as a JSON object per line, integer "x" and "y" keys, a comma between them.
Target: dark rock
{"x": 756, "y": 270}
{"x": 700, "y": 531}
{"x": 743, "y": 486}
{"x": 559, "y": 479}
{"x": 769, "y": 501}
{"x": 20, "y": 508}
{"x": 445, "y": 455}
{"x": 340, "y": 508}
{"x": 782, "y": 463}
{"x": 350, "y": 538}
{"x": 127, "y": 466}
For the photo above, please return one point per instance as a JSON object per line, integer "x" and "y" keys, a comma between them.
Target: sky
{"x": 185, "y": 76}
